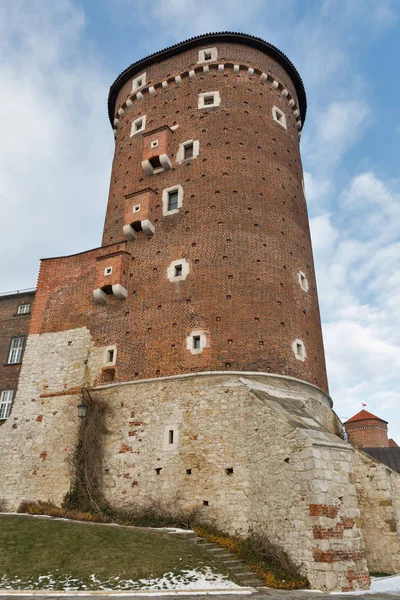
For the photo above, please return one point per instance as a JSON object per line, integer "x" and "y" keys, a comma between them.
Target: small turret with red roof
{"x": 366, "y": 430}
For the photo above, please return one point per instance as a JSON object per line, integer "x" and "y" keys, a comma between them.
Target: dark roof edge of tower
{"x": 224, "y": 36}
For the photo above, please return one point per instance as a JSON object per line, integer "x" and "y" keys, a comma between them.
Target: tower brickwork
{"x": 196, "y": 323}
{"x": 241, "y": 228}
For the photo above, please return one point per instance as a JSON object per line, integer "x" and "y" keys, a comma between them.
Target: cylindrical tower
{"x": 207, "y": 189}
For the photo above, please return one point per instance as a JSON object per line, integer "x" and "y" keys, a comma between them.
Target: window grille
{"x": 6, "y": 400}
{"x": 16, "y": 347}
{"x": 24, "y": 309}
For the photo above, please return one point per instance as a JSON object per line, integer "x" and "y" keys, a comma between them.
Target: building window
{"x": 136, "y": 208}
{"x": 171, "y": 437}
{"x": 108, "y": 271}
{"x": 209, "y": 99}
{"x": 6, "y": 400}
{"x": 138, "y": 125}
{"x": 24, "y": 309}
{"x": 303, "y": 281}
{"x": 279, "y": 116}
{"x": 154, "y": 144}
{"x": 196, "y": 342}
{"x": 299, "y": 350}
{"x": 138, "y": 82}
{"x": 207, "y": 55}
{"x": 188, "y": 151}
{"x": 172, "y": 200}
{"x": 15, "y": 354}
{"x": 111, "y": 355}
{"x": 178, "y": 270}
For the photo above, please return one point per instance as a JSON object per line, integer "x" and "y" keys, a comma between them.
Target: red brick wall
{"x": 12, "y": 325}
{"x": 243, "y": 228}
{"x": 369, "y": 433}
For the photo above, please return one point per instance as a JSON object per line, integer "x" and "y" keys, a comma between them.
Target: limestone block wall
{"x": 248, "y": 456}
{"x": 39, "y": 438}
{"x": 378, "y": 491}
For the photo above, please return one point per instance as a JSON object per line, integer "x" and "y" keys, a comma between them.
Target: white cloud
{"x": 56, "y": 145}
{"x": 359, "y": 287}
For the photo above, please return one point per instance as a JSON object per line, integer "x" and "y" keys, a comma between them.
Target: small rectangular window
{"x": 154, "y": 144}
{"x": 108, "y": 271}
{"x": 173, "y": 200}
{"x": 24, "y": 309}
{"x": 6, "y": 400}
{"x": 188, "y": 151}
{"x": 110, "y": 355}
{"x": 171, "y": 436}
{"x": 138, "y": 124}
{"x": 178, "y": 270}
{"x": 207, "y": 55}
{"x": 196, "y": 342}
{"x": 208, "y": 100}
{"x": 15, "y": 354}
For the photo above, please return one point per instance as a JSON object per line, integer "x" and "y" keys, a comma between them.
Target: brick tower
{"x": 207, "y": 189}
{"x": 365, "y": 430}
{"x": 196, "y": 321}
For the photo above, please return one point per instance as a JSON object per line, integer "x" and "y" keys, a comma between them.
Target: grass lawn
{"x": 93, "y": 555}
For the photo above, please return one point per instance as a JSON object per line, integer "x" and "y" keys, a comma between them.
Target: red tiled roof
{"x": 392, "y": 443}
{"x": 364, "y": 415}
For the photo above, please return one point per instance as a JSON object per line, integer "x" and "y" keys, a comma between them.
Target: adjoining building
{"x": 196, "y": 323}
{"x": 370, "y": 433}
{"x": 15, "y": 314}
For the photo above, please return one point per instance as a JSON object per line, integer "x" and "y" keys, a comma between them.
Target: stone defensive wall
{"x": 197, "y": 324}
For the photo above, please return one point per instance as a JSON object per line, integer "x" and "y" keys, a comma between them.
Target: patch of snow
{"x": 379, "y": 585}
{"x": 194, "y": 579}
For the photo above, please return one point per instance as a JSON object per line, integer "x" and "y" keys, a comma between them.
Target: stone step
{"x": 254, "y": 582}
{"x": 241, "y": 568}
{"x": 232, "y": 563}
{"x": 245, "y": 573}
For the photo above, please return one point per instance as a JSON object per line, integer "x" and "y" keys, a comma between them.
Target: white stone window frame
{"x": 24, "y": 309}
{"x": 166, "y": 437}
{"x": 134, "y": 129}
{"x": 216, "y": 100}
{"x": 136, "y": 208}
{"x": 299, "y": 350}
{"x": 213, "y": 52}
{"x": 108, "y": 271}
{"x": 190, "y": 341}
{"x": 180, "y": 156}
{"x": 16, "y": 350}
{"x": 108, "y": 363}
{"x": 279, "y": 116}
{"x": 171, "y": 270}
{"x": 139, "y": 82}
{"x": 303, "y": 281}
{"x": 6, "y": 402}
{"x": 165, "y": 199}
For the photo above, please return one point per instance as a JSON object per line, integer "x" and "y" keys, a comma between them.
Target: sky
{"x": 57, "y": 61}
